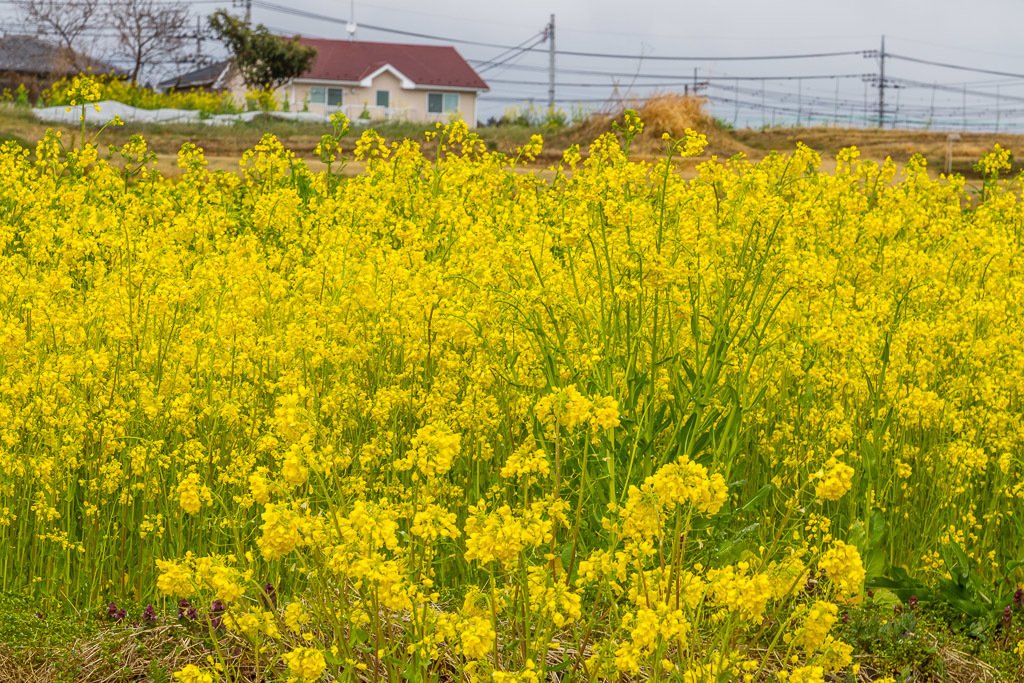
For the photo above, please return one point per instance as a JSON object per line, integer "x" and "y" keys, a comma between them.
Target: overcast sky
{"x": 983, "y": 34}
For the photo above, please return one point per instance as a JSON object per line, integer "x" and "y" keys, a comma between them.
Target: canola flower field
{"x": 450, "y": 420}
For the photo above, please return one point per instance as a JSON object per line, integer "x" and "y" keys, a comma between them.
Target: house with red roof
{"x": 364, "y": 80}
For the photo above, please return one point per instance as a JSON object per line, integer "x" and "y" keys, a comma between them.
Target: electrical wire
{"x": 954, "y": 66}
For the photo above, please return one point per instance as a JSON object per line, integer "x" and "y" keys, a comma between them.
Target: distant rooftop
{"x": 31, "y": 55}
{"x": 351, "y": 61}
{"x": 205, "y": 77}
{"x": 424, "y": 65}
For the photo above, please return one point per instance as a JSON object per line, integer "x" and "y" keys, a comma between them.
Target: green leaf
{"x": 857, "y": 537}
{"x": 885, "y": 598}
{"x": 877, "y": 528}
{"x": 756, "y": 499}
{"x": 874, "y": 563}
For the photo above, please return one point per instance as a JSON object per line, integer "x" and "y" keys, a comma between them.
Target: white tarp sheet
{"x": 129, "y": 114}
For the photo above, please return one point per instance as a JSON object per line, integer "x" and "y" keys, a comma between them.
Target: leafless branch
{"x": 149, "y": 31}
{"x": 68, "y": 23}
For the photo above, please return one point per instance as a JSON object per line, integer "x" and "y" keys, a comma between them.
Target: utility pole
{"x": 931, "y": 109}
{"x": 881, "y": 88}
{"x": 998, "y": 108}
{"x": 247, "y": 4}
{"x": 965, "y": 107}
{"x": 799, "y": 101}
{"x": 864, "y": 119}
{"x": 835, "y": 115}
{"x": 551, "y": 64}
{"x": 764, "y": 112}
{"x": 736, "y": 101}
{"x": 695, "y": 81}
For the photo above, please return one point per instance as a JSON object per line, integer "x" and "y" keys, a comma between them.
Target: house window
{"x": 329, "y": 96}
{"x": 439, "y": 103}
{"x": 383, "y": 98}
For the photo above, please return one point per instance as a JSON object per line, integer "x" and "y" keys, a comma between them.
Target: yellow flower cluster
{"x": 194, "y": 575}
{"x": 844, "y": 567}
{"x": 433, "y": 449}
{"x": 191, "y": 673}
{"x": 69, "y": 91}
{"x": 192, "y": 495}
{"x": 835, "y": 480}
{"x": 305, "y": 664}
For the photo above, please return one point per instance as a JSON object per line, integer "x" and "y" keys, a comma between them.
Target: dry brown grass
{"x": 115, "y": 654}
{"x": 663, "y": 112}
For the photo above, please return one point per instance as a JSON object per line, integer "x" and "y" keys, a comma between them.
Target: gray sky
{"x": 983, "y": 34}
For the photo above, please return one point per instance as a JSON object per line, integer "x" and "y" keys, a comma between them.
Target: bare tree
{"x": 149, "y": 31}
{"x": 71, "y": 24}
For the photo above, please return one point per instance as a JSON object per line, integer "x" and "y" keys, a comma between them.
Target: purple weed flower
{"x": 912, "y": 601}
{"x": 183, "y": 607}
{"x": 269, "y": 595}
{"x": 1007, "y": 616}
{"x": 149, "y": 614}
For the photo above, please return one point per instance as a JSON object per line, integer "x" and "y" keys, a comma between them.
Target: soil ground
{"x": 224, "y": 145}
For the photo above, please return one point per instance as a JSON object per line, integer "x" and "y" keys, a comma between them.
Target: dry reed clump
{"x": 664, "y": 112}
{"x": 673, "y": 113}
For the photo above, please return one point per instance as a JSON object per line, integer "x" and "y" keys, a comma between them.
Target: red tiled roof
{"x": 431, "y": 65}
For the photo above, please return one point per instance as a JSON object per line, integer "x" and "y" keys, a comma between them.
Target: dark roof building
{"x": 31, "y": 56}
{"x": 213, "y": 77}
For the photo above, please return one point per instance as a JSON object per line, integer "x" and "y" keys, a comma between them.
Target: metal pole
{"x": 866, "y": 108}
{"x": 931, "y": 110}
{"x": 551, "y": 64}
{"x": 881, "y": 88}
{"x": 736, "y": 98}
{"x": 997, "y": 108}
{"x": 248, "y": 12}
{"x": 799, "y": 100}
{"x": 965, "y": 107}
{"x": 764, "y": 112}
{"x": 835, "y": 115}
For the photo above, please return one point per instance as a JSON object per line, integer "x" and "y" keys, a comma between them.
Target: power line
{"x": 512, "y": 54}
{"x": 733, "y": 58}
{"x": 954, "y": 66}
{"x": 264, "y": 4}
{"x": 679, "y": 80}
